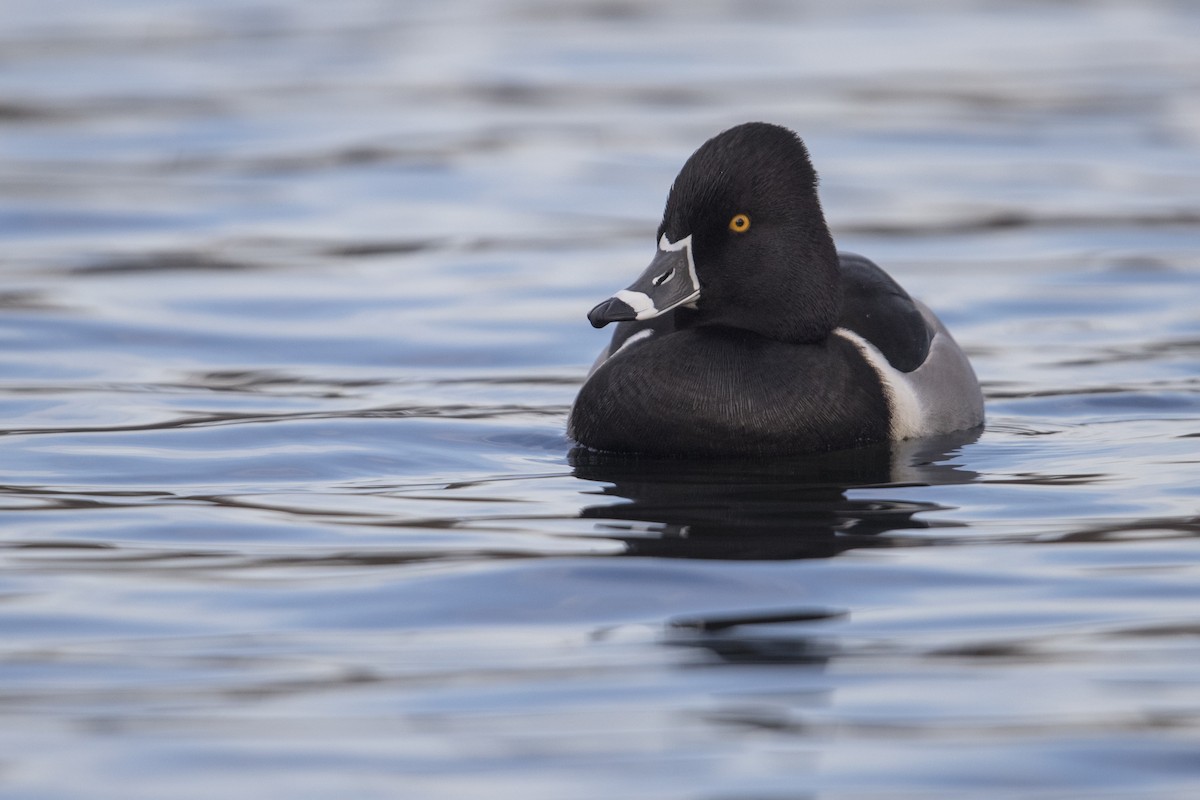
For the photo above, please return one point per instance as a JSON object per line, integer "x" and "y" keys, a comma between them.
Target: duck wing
{"x": 876, "y": 308}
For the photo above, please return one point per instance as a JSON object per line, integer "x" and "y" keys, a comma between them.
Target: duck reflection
{"x": 767, "y": 508}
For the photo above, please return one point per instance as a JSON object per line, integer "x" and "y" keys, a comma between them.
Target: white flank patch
{"x": 907, "y": 420}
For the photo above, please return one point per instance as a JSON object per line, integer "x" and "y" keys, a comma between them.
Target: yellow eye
{"x": 740, "y": 223}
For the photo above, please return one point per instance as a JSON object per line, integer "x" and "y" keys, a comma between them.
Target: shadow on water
{"x": 767, "y": 509}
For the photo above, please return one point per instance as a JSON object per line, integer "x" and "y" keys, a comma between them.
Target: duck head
{"x": 743, "y": 243}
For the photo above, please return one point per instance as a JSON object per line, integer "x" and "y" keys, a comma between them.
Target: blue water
{"x": 292, "y": 306}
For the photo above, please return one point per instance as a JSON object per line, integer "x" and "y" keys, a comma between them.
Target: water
{"x": 292, "y": 301}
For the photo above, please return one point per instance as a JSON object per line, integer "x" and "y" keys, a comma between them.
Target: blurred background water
{"x": 292, "y": 305}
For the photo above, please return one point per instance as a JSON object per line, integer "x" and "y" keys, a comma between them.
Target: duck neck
{"x": 792, "y": 293}
{"x": 808, "y": 304}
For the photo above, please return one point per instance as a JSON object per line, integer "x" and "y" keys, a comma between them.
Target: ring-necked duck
{"x": 750, "y": 334}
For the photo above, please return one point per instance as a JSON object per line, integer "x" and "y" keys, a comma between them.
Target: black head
{"x": 763, "y": 253}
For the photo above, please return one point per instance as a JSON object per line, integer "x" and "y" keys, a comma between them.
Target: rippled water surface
{"x": 292, "y": 306}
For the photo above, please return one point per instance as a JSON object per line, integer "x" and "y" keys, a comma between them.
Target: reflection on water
{"x": 767, "y": 508}
{"x": 292, "y": 312}
{"x": 785, "y": 637}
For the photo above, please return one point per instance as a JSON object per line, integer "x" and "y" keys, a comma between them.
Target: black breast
{"x": 879, "y": 310}
{"x": 718, "y": 391}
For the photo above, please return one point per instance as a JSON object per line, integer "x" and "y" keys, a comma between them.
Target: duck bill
{"x": 668, "y": 283}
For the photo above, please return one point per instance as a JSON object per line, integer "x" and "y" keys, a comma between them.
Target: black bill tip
{"x": 611, "y": 310}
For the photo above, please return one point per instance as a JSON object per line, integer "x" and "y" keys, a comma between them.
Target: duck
{"x": 750, "y": 334}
